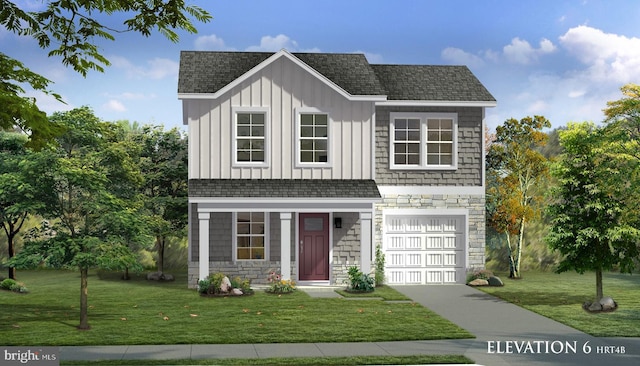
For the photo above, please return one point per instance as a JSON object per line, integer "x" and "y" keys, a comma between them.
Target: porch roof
{"x": 285, "y": 188}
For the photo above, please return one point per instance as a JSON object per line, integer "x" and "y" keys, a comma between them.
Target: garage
{"x": 424, "y": 248}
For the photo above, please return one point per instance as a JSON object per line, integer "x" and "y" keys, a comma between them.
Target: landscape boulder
{"x": 225, "y": 286}
{"x": 478, "y": 282}
{"x": 595, "y": 307}
{"x": 236, "y": 292}
{"x": 495, "y": 281}
{"x": 608, "y": 304}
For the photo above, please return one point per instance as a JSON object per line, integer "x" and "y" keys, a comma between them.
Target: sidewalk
{"x": 501, "y": 328}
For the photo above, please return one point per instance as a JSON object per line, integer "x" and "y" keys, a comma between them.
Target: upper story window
{"x": 312, "y": 137}
{"x": 250, "y": 137}
{"x": 423, "y": 141}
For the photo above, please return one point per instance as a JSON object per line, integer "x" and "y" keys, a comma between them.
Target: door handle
{"x": 301, "y": 246}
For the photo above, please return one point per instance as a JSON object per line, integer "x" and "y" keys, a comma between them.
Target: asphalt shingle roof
{"x": 429, "y": 82}
{"x": 284, "y": 188}
{"x": 210, "y": 71}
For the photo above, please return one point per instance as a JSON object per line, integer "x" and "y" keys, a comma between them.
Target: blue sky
{"x": 560, "y": 59}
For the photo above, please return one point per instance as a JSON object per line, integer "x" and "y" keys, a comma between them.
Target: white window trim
{"x": 234, "y": 238}
{"x": 234, "y": 137}
{"x": 422, "y": 116}
{"x": 296, "y": 138}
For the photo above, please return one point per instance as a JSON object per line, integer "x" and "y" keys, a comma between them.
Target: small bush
{"x": 7, "y": 283}
{"x": 13, "y": 285}
{"x": 483, "y": 274}
{"x": 360, "y": 282}
{"x": 379, "y": 274}
{"x": 203, "y": 286}
{"x": 243, "y": 284}
{"x": 278, "y": 285}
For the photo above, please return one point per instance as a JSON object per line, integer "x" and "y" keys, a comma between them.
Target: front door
{"x": 314, "y": 247}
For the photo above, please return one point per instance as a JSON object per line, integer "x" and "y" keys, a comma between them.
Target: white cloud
{"x": 274, "y": 44}
{"x": 131, "y": 96}
{"x": 521, "y": 52}
{"x": 157, "y": 68}
{"x": 610, "y": 58}
{"x": 114, "y": 106}
{"x": 211, "y": 43}
{"x": 458, "y": 56}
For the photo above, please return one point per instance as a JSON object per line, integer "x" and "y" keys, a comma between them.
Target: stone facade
{"x": 346, "y": 247}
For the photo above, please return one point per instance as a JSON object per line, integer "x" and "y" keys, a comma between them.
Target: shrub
{"x": 242, "y": 284}
{"x": 359, "y": 282}
{"x": 203, "y": 286}
{"x": 216, "y": 281}
{"x": 7, "y": 283}
{"x": 278, "y": 285}
{"x": 379, "y": 274}
{"x": 483, "y": 274}
{"x": 12, "y": 285}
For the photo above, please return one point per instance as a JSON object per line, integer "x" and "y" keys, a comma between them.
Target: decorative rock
{"x": 236, "y": 292}
{"x": 608, "y": 304}
{"x": 595, "y": 307}
{"x": 225, "y": 286}
{"x": 478, "y": 282}
{"x": 495, "y": 281}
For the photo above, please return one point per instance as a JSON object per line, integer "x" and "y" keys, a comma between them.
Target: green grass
{"x": 302, "y": 361}
{"x": 133, "y": 312}
{"x": 384, "y": 292}
{"x": 560, "y": 297}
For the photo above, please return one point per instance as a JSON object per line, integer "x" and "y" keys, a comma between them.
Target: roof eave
{"x": 358, "y": 98}
{"x": 439, "y": 103}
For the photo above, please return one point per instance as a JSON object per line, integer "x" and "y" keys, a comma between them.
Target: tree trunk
{"x": 160, "y": 244}
{"x": 520, "y": 245}
{"x": 125, "y": 276}
{"x": 12, "y": 270}
{"x": 512, "y": 267}
{"x": 84, "y": 294}
{"x": 599, "y": 294}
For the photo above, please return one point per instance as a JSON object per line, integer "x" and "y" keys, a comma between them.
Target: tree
{"x": 96, "y": 221}
{"x": 164, "y": 167}
{"x": 70, "y": 29}
{"x": 514, "y": 169}
{"x": 587, "y": 215}
{"x": 24, "y": 186}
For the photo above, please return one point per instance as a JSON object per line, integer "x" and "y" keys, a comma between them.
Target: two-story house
{"x": 305, "y": 162}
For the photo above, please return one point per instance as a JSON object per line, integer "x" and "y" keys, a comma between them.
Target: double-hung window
{"x": 312, "y": 138}
{"x": 251, "y": 235}
{"x": 423, "y": 140}
{"x": 250, "y": 137}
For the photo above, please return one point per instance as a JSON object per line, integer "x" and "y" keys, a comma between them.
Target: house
{"x": 306, "y": 162}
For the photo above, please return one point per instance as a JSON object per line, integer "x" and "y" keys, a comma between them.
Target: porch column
{"x": 365, "y": 241}
{"x": 285, "y": 245}
{"x": 203, "y": 243}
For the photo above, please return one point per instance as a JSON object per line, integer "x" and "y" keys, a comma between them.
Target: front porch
{"x": 311, "y": 240}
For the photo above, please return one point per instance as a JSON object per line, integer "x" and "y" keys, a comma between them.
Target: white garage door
{"x": 424, "y": 249}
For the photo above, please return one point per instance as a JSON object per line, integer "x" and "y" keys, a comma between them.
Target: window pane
{"x": 257, "y": 144}
{"x": 306, "y": 157}
{"x": 306, "y": 144}
{"x": 321, "y": 132}
{"x": 413, "y": 124}
{"x": 400, "y": 148}
{"x": 243, "y": 228}
{"x": 257, "y": 131}
{"x": 446, "y": 136}
{"x": 244, "y": 216}
{"x": 400, "y": 159}
{"x": 313, "y": 224}
{"x": 321, "y": 157}
{"x": 433, "y": 136}
{"x": 257, "y": 119}
{"x": 244, "y": 156}
{"x": 433, "y": 148}
{"x": 320, "y": 145}
{"x": 306, "y": 131}
{"x": 446, "y": 148}
{"x": 413, "y": 159}
{"x": 413, "y": 148}
{"x": 433, "y": 159}
{"x": 446, "y": 159}
{"x": 244, "y": 118}
{"x": 414, "y": 136}
{"x": 244, "y": 144}
{"x": 244, "y": 253}
{"x": 401, "y": 136}
{"x": 433, "y": 124}
{"x": 306, "y": 119}
{"x": 257, "y": 253}
{"x": 243, "y": 242}
{"x": 321, "y": 119}
{"x": 401, "y": 124}
{"x": 446, "y": 124}
{"x": 257, "y": 156}
{"x": 257, "y": 216}
{"x": 257, "y": 228}
{"x": 244, "y": 131}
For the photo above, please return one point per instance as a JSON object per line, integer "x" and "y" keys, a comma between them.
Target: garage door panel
{"x": 425, "y": 249}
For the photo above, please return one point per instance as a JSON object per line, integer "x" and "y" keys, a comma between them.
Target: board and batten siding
{"x": 282, "y": 87}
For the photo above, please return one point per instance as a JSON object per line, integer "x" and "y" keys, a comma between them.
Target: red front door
{"x": 314, "y": 247}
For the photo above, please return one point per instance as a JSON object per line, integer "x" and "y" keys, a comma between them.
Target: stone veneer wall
{"x": 220, "y": 250}
{"x": 470, "y": 136}
{"x": 474, "y": 203}
{"x": 346, "y": 246}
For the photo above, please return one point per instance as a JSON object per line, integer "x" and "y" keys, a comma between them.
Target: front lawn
{"x": 560, "y": 297}
{"x": 141, "y": 312}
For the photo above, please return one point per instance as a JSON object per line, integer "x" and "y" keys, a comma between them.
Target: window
{"x": 423, "y": 140}
{"x": 313, "y": 138}
{"x": 250, "y": 137}
{"x": 251, "y": 235}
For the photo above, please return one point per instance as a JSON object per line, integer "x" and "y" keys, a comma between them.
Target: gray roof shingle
{"x": 429, "y": 82}
{"x": 210, "y": 71}
{"x": 284, "y": 188}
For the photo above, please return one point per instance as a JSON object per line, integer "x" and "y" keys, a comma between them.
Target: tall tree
{"x": 514, "y": 169}
{"x": 70, "y": 29}
{"x": 164, "y": 167}
{"x": 95, "y": 219}
{"x": 587, "y": 215}
{"x": 25, "y": 182}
